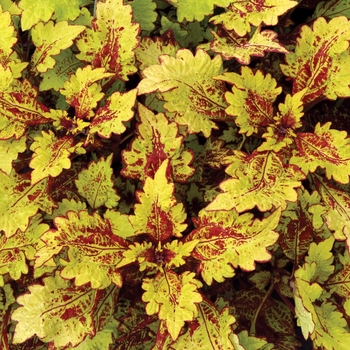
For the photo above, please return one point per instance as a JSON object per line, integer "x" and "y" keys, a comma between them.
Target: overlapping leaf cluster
{"x": 174, "y": 174}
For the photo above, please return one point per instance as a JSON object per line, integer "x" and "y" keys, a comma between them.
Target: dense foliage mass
{"x": 174, "y": 174}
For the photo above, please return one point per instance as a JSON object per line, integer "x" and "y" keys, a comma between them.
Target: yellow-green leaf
{"x": 9, "y": 150}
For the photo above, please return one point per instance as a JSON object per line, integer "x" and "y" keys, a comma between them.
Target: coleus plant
{"x": 174, "y": 174}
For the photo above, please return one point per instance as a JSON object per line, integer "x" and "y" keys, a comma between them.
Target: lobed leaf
{"x": 332, "y": 8}
{"x": 111, "y": 41}
{"x": 326, "y": 148}
{"x": 340, "y": 281}
{"x": 240, "y": 15}
{"x": 260, "y": 180}
{"x": 251, "y": 100}
{"x": 144, "y": 13}
{"x": 7, "y": 34}
{"x": 93, "y": 249}
{"x": 228, "y": 241}
{"x": 188, "y": 88}
{"x": 158, "y": 214}
{"x": 173, "y": 297}
{"x": 9, "y": 150}
{"x": 96, "y": 184}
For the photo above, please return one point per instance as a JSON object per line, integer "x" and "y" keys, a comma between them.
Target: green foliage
{"x": 175, "y": 174}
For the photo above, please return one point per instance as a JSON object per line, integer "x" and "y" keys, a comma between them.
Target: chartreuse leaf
{"x": 173, "y": 297}
{"x": 9, "y": 150}
{"x": 321, "y": 61}
{"x": 20, "y": 200}
{"x": 96, "y": 184}
{"x": 93, "y": 249}
{"x": 340, "y": 281}
{"x": 281, "y": 133}
{"x": 241, "y": 14}
{"x": 335, "y": 209}
{"x": 65, "y": 206}
{"x": 43, "y": 10}
{"x": 117, "y": 109}
{"x": 111, "y": 42}
{"x": 211, "y": 327}
{"x": 16, "y": 250}
{"x": 62, "y": 313}
{"x": 158, "y": 214}
{"x": 19, "y": 108}
{"x": 228, "y": 241}
{"x": 196, "y": 10}
{"x": 50, "y": 39}
{"x": 157, "y": 141}
{"x": 144, "y": 13}
{"x": 229, "y": 45}
{"x": 51, "y": 155}
{"x": 252, "y": 343}
{"x": 251, "y": 99}
{"x": 7, "y": 34}
{"x": 82, "y": 92}
{"x": 120, "y": 223}
{"x": 332, "y": 8}
{"x": 254, "y": 182}
{"x": 188, "y": 88}
{"x": 326, "y": 148}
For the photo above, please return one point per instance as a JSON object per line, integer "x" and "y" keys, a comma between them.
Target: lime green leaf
{"x": 173, "y": 297}
{"x": 252, "y": 343}
{"x": 229, "y": 45}
{"x": 50, "y": 40}
{"x": 22, "y": 246}
{"x": 210, "y": 327}
{"x": 65, "y": 206}
{"x": 82, "y": 92}
{"x": 7, "y": 34}
{"x": 117, "y": 109}
{"x": 51, "y": 155}
{"x": 254, "y": 183}
{"x": 43, "y": 10}
{"x": 326, "y": 148}
{"x": 188, "y": 88}
{"x": 251, "y": 100}
{"x": 157, "y": 141}
{"x": 321, "y": 61}
{"x": 228, "y": 241}
{"x": 62, "y": 313}
{"x": 120, "y": 223}
{"x": 241, "y": 14}
{"x": 93, "y": 249}
{"x": 281, "y": 133}
{"x": 193, "y": 10}
{"x": 176, "y": 251}
{"x": 20, "y": 200}
{"x": 9, "y": 150}
{"x": 19, "y": 108}
{"x": 158, "y": 214}
{"x": 111, "y": 42}
{"x": 96, "y": 184}
{"x": 340, "y": 281}
{"x": 144, "y": 13}
{"x": 332, "y": 8}
{"x": 65, "y": 66}
{"x": 334, "y": 209}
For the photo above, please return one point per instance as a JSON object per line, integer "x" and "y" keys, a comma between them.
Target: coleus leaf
{"x": 188, "y": 88}
{"x": 241, "y": 14}
{"x": 173, "y": 297}
{"x": 255, "y": 182}
{"x": 229, "y": 45}
{"x": 251, "y": 100}
{"x": 82, "y": 92}
{"x": 196, "y": 10}
{"x": 144, "y": 13}
{"x": 334, "y": 209}
{"x": 157, "y": 141}
{"x": 50, "y": 39}
{"x": 93, "y": 249}
{"x": 332, "y": 8}
{"x": 326, "y": 148}
{"x": 62, "y": 313}
{"x": 43, "y": 10}
{"x": 7, "y": 34}
{"x": 9, "y": 150}
{"x": 20, "y": 200}
{"x": 117, "y": 109}
{"x": 112, "y": 32}
{"x": 320, "y": 62}
{"x": 96, "y": 185}
{"x": 16, "y": 250}
{"x": 158, "y": 214}
{"x": 210, "y": 327}
{"x": 51, "y": 155}
{"x": 228, "y": 241}
{"x": 19, "y": 108}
